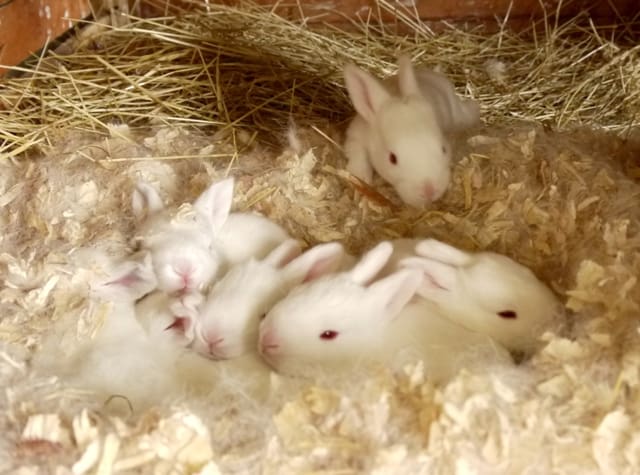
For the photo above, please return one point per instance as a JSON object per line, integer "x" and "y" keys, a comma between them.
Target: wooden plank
{"x": 458, "y": 9}
{"x": 429, "y": 10}
{"x": 26, "y": 25}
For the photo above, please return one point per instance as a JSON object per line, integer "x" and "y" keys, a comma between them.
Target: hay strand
{"x": 245, "y": 66}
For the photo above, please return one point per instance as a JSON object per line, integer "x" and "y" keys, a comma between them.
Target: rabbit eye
{"x": 444, "y": 149}
{"x": 263, "y": 316}
{"x": 328, "y": 335}
{"x": 508, "y": 314}
{"x": 393, "y": 159}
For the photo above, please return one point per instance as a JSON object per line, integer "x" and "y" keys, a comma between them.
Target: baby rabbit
{"x": 122, "y": 358}
{"x": 226, "y": 325}
{"x": 486, "y": 292}
{"x": 399, "y": 130}
{"x": 341, "y": 319}
{"x": 190, "y": 246}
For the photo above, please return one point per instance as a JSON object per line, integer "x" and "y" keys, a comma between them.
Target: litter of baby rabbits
{"x": 562, "y": 203}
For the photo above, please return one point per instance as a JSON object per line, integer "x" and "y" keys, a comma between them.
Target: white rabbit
{"x": 191, "y": 246}
{"x": 345, "y": 318}
{"x": 127, "y": 281}
{"x": 400, "y": 134}
{"x": 486, "y": 292}
{"x": 121, "y": 359}
{"x": 226, "y": 325}
{"x": 169, "y": 318}
{"x": 454, "y": 114}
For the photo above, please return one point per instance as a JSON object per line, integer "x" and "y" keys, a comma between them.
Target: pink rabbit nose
{"x": 213, "y": 341}
{"x": 428, "y": 191}
{"x": 268, "y": 343}
{"x": 185, "y": 276}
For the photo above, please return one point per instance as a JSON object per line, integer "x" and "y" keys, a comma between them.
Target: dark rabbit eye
{"x": 262, "y": 316}
{"x": 444, "y": 149}
{"x": 328, "y": 335}
{"x": 393, "y": 159}
{"x": 508, "y": 314}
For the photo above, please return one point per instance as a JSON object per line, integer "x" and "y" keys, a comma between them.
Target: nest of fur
{"x": 563, "y": 202}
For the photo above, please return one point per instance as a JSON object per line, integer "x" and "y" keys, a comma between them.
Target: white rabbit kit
{"x": 195, "y": 340}
{"x": 400, "y": 130}
{"x": 344, "y": 318}
{"x": 190, "y": 247}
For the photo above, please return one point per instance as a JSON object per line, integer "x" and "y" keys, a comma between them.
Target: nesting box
{"x": 173, "y": 96}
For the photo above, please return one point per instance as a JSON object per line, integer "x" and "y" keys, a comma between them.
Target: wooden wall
{"x": 26, "y": 25}
{"x": 459, "y": 9}
{"x": 603, "y": 11}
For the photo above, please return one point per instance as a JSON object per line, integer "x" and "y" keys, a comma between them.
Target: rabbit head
{"x": 486, "y": 292}
{"x": 182, "y": 244}
{"x": 336, "y": 318}
{"x": 227, "y": 323}
{"x": 403, "y": 139}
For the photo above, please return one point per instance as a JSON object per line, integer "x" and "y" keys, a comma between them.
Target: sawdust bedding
{"x": 563, "y": 203}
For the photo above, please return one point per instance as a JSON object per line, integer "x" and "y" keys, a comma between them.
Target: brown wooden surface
{"x": 458, "y": 9}
{"x": 26, "y": 25}
{"x": 433, "y": 10}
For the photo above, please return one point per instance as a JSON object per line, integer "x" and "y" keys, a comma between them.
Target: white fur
{"x": 409, "y": 123}
{"x": 227, "y": 324}
{"x": 190, "y": 247}
{"x": 133, "y": 356}
{"x": 471, "y": 290}
{"x": 374, "y": 321}
{"x": 122, "y": 359}
{"x": 454, "y": 114}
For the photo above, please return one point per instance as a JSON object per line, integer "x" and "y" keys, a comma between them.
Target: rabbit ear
{"x": 215, "y": 202}
{"x": 316, "y": 262}
{"x": 283, "y": 254}
{"x": 439, "y": 251}
{"x": 371, "y": 263}
{"x": 145, "y": 200}
{"x": 132, "y": 278}
{"x": 366, "y": 92}
{"x": 407, "y": 82}
{"x": 438, "y": 277}
{"x": 394, "y": 292}
{"x": 185, "y": 314}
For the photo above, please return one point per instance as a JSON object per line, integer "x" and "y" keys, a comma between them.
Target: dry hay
{"x": 564, "y": 203}
{"x": 228, "y": 66}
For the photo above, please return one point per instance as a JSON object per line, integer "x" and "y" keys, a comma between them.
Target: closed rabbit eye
{"x": 510, "y": 314}
{"x": 328, "y": 335}
{"x": 262, "y": 317}
{"x": 393, "y": 159}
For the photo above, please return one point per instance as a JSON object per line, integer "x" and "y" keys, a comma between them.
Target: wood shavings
{"x": 45, "y": 427}
{"x": 182, "y": 438}
{"x": 109, "y": 453}
{"x": 609, "y": 438}
{"x": 564, "y": 349}
{"x": 563, "y": 203}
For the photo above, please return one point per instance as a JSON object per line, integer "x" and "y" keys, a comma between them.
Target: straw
{"x": 246, "y": 66}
